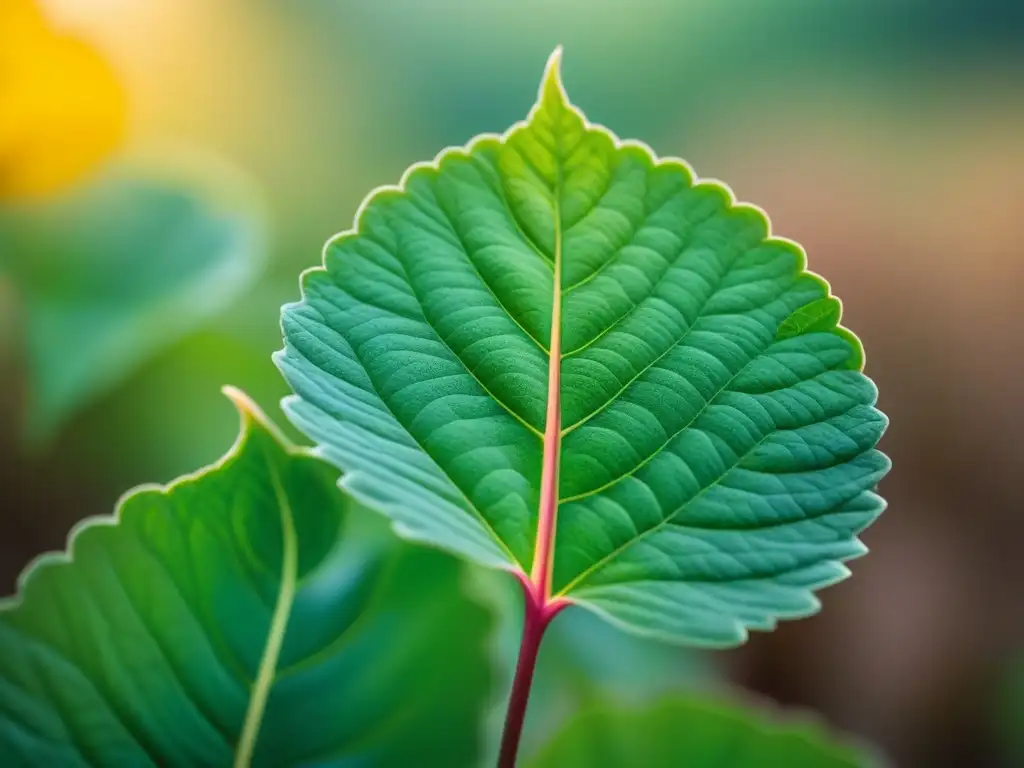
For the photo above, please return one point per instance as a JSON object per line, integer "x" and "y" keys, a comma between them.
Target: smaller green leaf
{"x": 247, "y": 614}
{"x": 116, "y": 271}
{"x": 685, "y": 733}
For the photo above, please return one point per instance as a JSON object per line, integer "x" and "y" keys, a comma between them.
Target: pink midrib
{"x": 547, "y": 516}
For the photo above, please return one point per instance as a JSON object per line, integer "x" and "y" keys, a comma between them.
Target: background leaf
{"x": 143, "y": 644}
{"x": 120, "y": 269}
{"x": 1008, "y": 708}
{"x": 717, "y": 435}
{"x": 679, "y": 732}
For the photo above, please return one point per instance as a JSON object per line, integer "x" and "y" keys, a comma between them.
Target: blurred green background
{"x": 886, "y": 137}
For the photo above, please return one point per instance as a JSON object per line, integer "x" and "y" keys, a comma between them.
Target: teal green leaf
{"x": 247, "y": 613}
{"x": 713, "y": 433}
{"x": 681, "y": 732}
{"x": 116, "y": 271}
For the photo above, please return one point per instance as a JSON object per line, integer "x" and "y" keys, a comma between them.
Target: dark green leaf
{"x": 245, "y": 611}
{"x": 1008, "y": 709}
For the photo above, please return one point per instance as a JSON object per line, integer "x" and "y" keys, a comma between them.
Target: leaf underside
{"x": 683, "y": 732}
{"x": 717, "y": 435}
{"x": 242, "y": 614}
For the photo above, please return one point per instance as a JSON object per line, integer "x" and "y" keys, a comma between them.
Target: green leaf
{"x": 557, "y": 303}
{"x": 245, "y": 611}
{"x": 680, "y": 732}
{"x": 118, "y": 270}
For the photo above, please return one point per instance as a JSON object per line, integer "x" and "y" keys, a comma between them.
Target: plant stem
{"x": 538, "y": 611}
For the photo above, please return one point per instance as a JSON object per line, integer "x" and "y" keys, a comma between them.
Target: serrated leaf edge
{"x": 552, "y": 75}
{"x": 250, "y": 417}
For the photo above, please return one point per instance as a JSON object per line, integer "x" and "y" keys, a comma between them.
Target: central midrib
{"x": 278, "y": 625}
{"x": 547, "y": 516}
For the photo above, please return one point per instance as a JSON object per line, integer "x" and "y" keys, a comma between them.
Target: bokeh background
{"x": 887, "y": 137}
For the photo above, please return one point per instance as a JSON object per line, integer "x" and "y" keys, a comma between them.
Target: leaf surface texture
{"x": 717, "y": 435}
{"x": 248, "y": 614}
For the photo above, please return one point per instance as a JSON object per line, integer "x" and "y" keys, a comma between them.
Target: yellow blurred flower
{"x": 62, "y": 108}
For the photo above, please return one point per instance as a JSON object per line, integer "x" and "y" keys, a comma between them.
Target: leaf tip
{"x": 552, "y": 91}
{"x": 252, "y": 415}
{"x": 247, "y": 408}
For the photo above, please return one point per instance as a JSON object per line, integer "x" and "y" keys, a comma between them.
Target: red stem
{"x": 538, "y": 611}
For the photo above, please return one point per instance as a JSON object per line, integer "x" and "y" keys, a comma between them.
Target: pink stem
{"x": 547, "y": 517}
{"x": 539, "y": 608}
{"x": 538, "y": 611}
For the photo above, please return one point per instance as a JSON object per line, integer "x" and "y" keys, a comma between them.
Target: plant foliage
{"x": 555, "y": 305}
{"x": 243, "y": 614}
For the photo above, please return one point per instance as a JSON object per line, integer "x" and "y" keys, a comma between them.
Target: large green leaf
{"x": 677, "y": 733}
{"x": 245, "y": 611}
{"x": 557, "y": 298}
{"x": 117, "y": 270}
